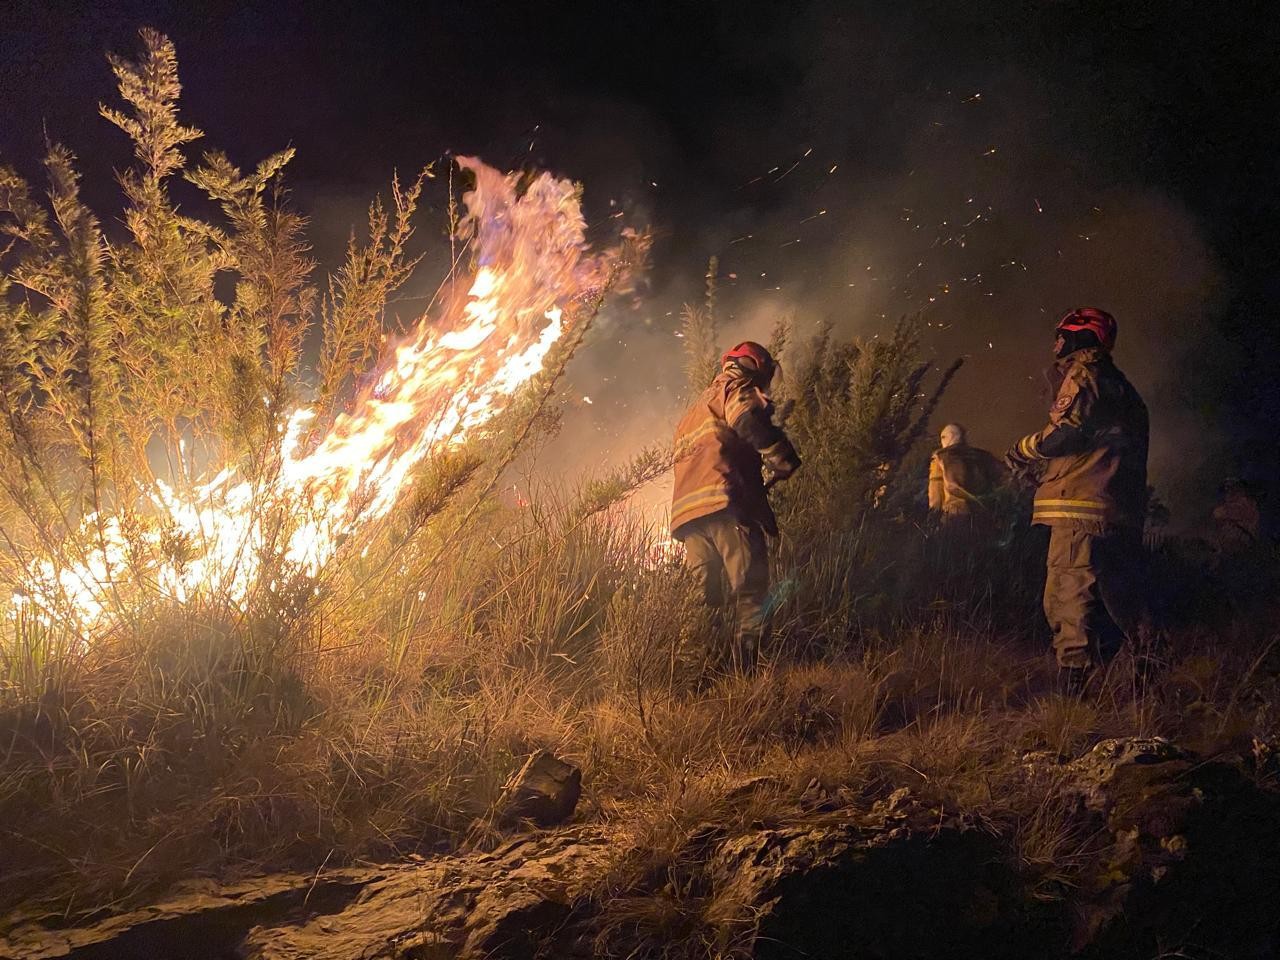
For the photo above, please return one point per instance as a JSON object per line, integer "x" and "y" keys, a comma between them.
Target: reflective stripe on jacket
{"x": 1093, "y": 453}
{"x": 715, "y": 468}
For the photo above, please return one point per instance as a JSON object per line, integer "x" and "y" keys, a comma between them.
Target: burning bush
{"x": 195, "y": 534}
{"x": 119, "y": 356}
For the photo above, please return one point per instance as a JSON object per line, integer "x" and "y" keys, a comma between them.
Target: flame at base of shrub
{"x": 458, "y": 369}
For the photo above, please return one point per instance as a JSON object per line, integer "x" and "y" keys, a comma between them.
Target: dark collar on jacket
{"x": 1085, "y": 355}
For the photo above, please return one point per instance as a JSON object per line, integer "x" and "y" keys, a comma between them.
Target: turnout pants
{"x": 1093, "y": 593}
{"x": 719, "y": 549}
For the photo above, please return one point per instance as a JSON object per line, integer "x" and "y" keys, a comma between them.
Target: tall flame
{"x": 446, "y": 380}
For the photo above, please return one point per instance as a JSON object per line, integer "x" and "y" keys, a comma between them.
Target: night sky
{"x": 988, "y": 164}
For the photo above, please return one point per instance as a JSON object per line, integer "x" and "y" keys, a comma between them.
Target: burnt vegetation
{"x": 378, "y": 710}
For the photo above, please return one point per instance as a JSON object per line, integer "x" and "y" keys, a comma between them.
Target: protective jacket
{"x": 1239, "y": 522}
{"x": 721, "y": 444}
{"x": 1091, "y": 459}
{"x": 960, "y": 476}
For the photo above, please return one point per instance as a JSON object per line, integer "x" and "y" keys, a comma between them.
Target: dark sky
{"x": 989, "y": 163}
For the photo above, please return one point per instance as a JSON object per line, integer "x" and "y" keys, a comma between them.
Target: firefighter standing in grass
{"x": 720, "y": 505}
{"x": 1237, "y": 518}
{"x": 1090, "y": 464}
{"x": 961, "y": 478}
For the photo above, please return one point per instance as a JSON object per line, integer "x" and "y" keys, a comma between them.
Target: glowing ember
{"x": 442, "y": 384}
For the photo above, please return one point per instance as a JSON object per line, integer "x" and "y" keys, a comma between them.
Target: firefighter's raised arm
{"x": 1068, "y": 429}
{"x": 750, "y": 414}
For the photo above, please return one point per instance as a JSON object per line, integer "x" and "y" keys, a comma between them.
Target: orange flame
{"x": 443, "y": 383}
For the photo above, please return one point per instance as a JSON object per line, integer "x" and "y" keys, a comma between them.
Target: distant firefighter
{"x": 961, "y": 477}
{"x": 1090, "y": 464}
{"x": 1237, "y": 520}
{"x": 720, "y": 507}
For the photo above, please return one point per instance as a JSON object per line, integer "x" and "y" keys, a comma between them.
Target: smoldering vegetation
{"x": 381, "y": 715}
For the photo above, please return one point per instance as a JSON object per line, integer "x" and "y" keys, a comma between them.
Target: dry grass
{"x": 131, "y": 766}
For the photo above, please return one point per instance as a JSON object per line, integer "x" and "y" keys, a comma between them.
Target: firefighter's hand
{"x": 774, "y": 479}
{"x": 1017, "y": 463}
{"x": 777, "y": 476}
{"x": 1021, "y": 468}
{"x": 782, "y": 464}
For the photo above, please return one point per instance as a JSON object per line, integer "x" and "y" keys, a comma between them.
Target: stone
{"x": 815, "y": 796}
{"x": 743, "y": 789}
{"x": 1192, "y": 858}
{"x": 214, "y": 916}
{"x": 902, "y": 882}
{"x": 498, "y": 905}
{"x": 1100, "y": 764}
{"x": 545, "y": 790}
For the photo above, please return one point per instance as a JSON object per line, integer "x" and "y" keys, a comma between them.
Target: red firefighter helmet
{"x": 752, "y": 356}
{"x": 1099, "y": 322}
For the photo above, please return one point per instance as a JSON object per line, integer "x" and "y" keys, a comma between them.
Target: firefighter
{"x": 961, "y": 478}
{"x": 720, "y": 505}
{"x": 1236, "y": 518}
{"x": 1090, "y": 464}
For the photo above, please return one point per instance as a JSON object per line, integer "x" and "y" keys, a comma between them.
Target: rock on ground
{"x": 1185, "y": 861}
{"x": 546, "y": 791}
{"x": 483, "y": 905}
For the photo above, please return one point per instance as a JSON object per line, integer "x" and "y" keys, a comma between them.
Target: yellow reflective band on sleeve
{"x": 705, "y": 429}
{"x": 1083, "y": 504}
{"x": 1028, "y": 446}
{"x": 700, "y": 497}
{"x": 700, "y": 508}
{"x": 1051, "y": 508}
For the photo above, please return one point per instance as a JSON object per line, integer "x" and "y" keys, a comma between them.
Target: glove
{"x": 1021, "y": 467}
{"x": 1017, "y": 463}
{"x": 781, "y": 459}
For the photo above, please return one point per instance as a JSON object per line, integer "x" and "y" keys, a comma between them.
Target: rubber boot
{"x": 746, "y": 654}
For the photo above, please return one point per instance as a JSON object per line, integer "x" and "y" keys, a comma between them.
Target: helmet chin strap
{"x": 1069, "y": 341}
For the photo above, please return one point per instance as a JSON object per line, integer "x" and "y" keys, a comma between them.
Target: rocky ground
{"x": 1185, "y": 863}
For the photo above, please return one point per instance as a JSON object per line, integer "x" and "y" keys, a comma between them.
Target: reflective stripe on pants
{"x": 1093, "y": 593}
{"x": 719, "y": 548}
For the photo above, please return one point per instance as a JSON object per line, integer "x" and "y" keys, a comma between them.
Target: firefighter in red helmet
{"x": 720, "y": 505}
{"x": 1090, "y": 467}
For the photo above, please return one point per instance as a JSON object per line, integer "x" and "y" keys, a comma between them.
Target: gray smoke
{"x": 981, "y": 227}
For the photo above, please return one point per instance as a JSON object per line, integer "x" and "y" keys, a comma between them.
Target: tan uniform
{"x": 960, "y": 476}
{"x": 716, "y": 467}
{"x": 1239, "y": 523}
{"x": 717, "y": 548}
{"x": 720, "y": 507}
{"x": 1091, "y": 461}
{"x": 1093, "y": 453}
